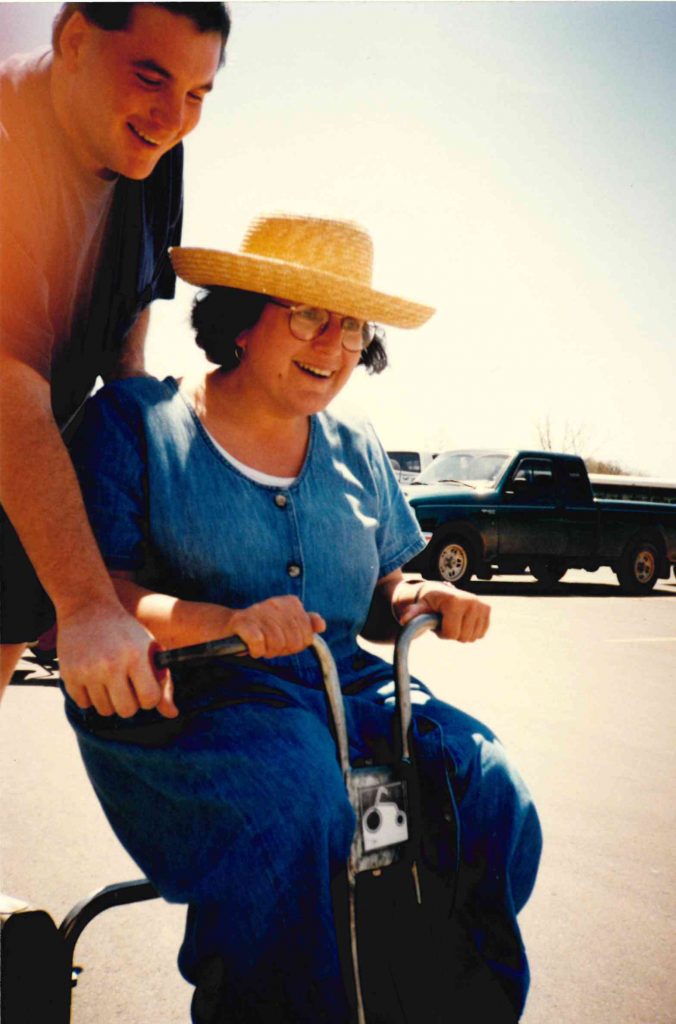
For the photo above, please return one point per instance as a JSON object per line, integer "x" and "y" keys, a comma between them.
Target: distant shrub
{"x": 614, "y": 468}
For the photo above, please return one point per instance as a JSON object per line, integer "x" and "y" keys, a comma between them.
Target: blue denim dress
{"x": 238, "y": 807}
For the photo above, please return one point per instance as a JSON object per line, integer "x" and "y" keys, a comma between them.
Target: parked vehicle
{"x": 493, "y": 512}
{"x": 408, "y": 464}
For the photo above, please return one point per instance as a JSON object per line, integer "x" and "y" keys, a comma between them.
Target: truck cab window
{"x": 533, "y": 481}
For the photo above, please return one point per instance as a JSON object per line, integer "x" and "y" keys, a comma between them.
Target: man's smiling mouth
{"x": 140, "y": 135}
{"x": 314, "y": 371}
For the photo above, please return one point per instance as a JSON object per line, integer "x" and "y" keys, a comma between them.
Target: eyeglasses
{"x": 307, "y": 322}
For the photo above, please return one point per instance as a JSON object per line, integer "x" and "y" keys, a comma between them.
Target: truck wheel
{"x": 454, "y": 561}
{"x": 637, "y": 571}
{"x": 548, "y": 571}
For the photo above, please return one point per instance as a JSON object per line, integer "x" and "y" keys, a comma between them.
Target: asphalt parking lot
{"x": 580, "y": 687}
{"x": 579, "y": 684}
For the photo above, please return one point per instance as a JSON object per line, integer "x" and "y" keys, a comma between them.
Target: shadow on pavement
{"x": 528, "y": 587}
{"x": 36, "y": 669}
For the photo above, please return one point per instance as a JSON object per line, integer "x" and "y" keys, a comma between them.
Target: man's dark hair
{"x": 213, "y": 17}
{"x": 219, "y": 315}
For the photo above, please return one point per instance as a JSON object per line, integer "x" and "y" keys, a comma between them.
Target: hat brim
{"x": 295, "y": 283}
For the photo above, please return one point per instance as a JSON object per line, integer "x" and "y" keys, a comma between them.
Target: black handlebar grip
{"x": 228, "y": 645}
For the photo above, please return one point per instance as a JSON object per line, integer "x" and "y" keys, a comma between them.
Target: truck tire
{"x": 454, "y": 561}
{"x": 637, "y": 571}
{"x": 548, "y": 571}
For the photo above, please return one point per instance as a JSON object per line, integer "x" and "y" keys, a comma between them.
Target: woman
{"x": 234, "y": 504}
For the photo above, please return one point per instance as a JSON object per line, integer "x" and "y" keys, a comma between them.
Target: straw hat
{"x": 312, "y": 260}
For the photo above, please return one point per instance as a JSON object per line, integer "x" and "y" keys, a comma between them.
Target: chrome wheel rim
{"x": 453, "y": 562}
{"x": 644, "y": 566}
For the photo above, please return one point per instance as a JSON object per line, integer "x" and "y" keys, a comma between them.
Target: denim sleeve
{"x": 108, "y": 452}
{"x": 398, "y": 536}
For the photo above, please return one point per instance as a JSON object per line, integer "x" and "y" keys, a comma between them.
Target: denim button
{"x": 281, "y": 500}
{"x": 293, "y": 569}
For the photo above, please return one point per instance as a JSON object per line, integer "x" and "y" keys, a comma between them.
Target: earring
{"x": 238, "y": 353}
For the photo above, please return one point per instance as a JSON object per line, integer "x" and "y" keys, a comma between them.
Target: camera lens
{"x": 373, "y": 820}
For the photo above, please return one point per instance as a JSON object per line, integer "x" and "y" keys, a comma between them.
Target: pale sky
{"x": 514, "y": 163}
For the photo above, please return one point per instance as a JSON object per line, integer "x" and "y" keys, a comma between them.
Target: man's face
{"x": 135, "y": 94}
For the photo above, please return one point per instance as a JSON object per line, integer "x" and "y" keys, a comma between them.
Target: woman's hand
{"x": 463, "y": 616}
{"x": 276, "y": 626}
{"x": 271, "y": 628}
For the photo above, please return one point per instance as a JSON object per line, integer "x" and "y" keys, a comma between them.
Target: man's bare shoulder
{"x": 24, "y": 86}
{"x": 26, "y": 123}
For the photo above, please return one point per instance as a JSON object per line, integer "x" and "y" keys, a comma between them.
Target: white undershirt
{"x": 254, "y": 474}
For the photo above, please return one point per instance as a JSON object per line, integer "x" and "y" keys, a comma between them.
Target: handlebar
{"x": 232, "y": 645}
{"x": 196, "y": 653}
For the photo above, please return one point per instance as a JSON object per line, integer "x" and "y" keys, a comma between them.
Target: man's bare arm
{"x": 103, "y": 651}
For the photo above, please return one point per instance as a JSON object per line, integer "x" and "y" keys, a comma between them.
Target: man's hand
{"x": 275, "y": 627}
{"x": 463, "y": 616}
{"x": 104, "y": 662}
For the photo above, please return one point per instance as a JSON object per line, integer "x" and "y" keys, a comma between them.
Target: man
{"x": 91, "y": 172}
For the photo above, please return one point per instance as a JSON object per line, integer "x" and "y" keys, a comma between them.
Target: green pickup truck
{"x": 493, "y": 512}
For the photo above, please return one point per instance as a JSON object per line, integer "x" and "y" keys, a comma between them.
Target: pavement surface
{"x": 580, "y": 686}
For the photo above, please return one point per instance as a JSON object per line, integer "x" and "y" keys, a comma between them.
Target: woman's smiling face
{"x": 293, "y": 376}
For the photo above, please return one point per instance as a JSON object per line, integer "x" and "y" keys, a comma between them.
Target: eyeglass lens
{"x": 308, "y": 322}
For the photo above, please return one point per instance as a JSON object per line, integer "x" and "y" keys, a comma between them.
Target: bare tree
{"x": 573, "y": 440}
{"x": 544, "y": 429}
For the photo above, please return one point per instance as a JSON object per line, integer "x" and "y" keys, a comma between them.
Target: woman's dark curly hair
{"x": 219, "y": 315}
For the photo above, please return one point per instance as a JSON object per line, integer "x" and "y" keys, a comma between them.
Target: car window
{"x": 407, "y": 462}
{"x": 467, "y": 467}
{"x": 533, "y": 481}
